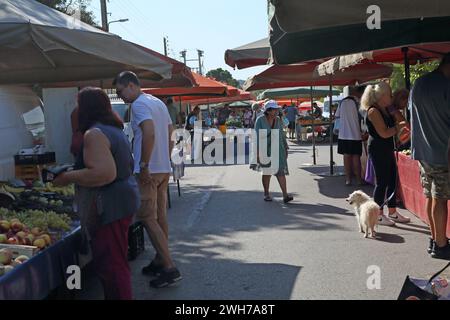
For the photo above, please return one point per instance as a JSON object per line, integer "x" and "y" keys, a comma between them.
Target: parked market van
{"x": 14, "y": 135}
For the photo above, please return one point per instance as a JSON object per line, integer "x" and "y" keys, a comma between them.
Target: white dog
{"x": 366, "y": 211}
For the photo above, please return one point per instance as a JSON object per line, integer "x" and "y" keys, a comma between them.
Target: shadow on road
{"x": 334, "y": 187}
{"x": 220, "y": 279}
{"x": 389, "y": 237}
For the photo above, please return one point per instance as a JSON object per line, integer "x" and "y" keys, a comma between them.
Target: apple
{"x": 21, "y": 259}
{"x": 21, "y": 234}
{"x": 13, "y": 240}
{"x": 30, "y": 239}
{"x": 15, "y": 220}
{"x": 16, "y": 226}
{"x": 3, "y": 238}
{"x": 5, "y": 256}
{"x": 40, "y": 243}
{"x": 4, "y": 226}
{"x": 36, "y": 231}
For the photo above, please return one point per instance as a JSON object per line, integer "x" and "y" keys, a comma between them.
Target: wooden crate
{"x": 27, "y": 172}
{"x": 18, "y": 250}
{"x": 30, "y": 171}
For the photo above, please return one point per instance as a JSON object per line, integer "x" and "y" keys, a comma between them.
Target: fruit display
{"x": 44, "y": 198}
{"x": 68, "y": 191}
{"x": 44, "y": 220}
{"x": 14, "y": 232}
{"x": 8, "y": 263}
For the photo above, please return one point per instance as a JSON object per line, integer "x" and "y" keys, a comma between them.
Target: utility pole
{"x": 183, "y": 55}
{"x": 200, "y": 55}
{"x": 104, "y": 10}
{"x": 165, "y": 46}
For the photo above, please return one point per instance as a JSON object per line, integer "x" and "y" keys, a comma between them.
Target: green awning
{"x": 303, "y": 31}
{"x": 299, "y": 92}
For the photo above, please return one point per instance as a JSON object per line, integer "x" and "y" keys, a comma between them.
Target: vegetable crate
{"x": 19, "y": 250}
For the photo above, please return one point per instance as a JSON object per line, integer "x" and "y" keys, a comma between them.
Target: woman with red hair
{"x": 107, "y": 192}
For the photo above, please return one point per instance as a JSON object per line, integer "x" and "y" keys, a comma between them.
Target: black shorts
{"x": 352, "y": 147}
{"x": 291, "y": 125}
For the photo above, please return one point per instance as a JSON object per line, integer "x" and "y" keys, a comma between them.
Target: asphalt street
{"x": 230, "y": 244}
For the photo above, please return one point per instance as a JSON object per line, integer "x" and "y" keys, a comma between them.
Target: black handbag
{"x": 410, "y": 291}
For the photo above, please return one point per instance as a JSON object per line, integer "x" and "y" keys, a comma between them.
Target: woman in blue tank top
{"x": 107, "y": 193}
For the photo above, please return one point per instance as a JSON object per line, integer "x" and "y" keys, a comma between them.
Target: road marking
{"x": 195, "y": 214}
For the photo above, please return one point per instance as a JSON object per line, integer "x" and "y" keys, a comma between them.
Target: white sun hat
{"x": 271, "y": 104}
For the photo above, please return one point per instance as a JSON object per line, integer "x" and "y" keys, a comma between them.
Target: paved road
{"x": 230, "y": 244}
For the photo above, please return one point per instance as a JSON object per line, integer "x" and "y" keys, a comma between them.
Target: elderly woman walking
{"x": 267, "y": 126}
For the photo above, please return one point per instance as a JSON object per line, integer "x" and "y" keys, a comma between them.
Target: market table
{"x": 46, "y": 271}
{"x": 410, "y": 188}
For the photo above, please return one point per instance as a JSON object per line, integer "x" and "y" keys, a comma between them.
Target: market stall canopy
{"x": 413, "y": 54}
{"x": 203, "y": 86}
{"x": 181, "y": 76}
{"x": 281, "y": 102}
{"x": 42, "y": 45}
{"x": 249, "y": 55}
{"x": 305, "y": 30}
{"x": 300, "y": 92}
{"x": 241, "y": 96}
{"x": 242, "y": 104}
{"x": 306, "y": 75}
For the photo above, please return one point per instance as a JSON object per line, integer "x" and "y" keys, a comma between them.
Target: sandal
{"x": 267, "y": 198}
{"x": 288, "y": 199}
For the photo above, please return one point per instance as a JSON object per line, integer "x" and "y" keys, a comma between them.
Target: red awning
{"x": 240, "y": 96}
{"x": 203, "y": 86}
{"x": 297, "y": 75}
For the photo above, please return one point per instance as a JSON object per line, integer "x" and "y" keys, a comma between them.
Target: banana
{"x": 10, "y": 189}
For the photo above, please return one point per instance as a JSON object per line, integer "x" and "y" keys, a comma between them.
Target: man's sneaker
{"x": 397, "y": 217}
{"x": 441, "y": 252}
{"x": 166, "y": 278}
{"x": 431, "y": 246}
{"x": 385, "y": 221}
{"x": 152, "y": 269}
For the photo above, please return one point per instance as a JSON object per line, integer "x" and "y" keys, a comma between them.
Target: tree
{"x": 71, "y": 7}
{"x": 416, "y": 71}
{"x": 223, "y": 76}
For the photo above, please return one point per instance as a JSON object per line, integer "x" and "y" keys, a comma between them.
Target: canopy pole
{"x": 313, "y": 129}
{"x": 181, "y": 110}
{"x": 331, "y": 131}
{"x": 407, "y": 68}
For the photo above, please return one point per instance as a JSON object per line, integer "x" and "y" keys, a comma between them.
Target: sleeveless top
{"x": 375, "y": 140}
{"x": 120, "y": 198}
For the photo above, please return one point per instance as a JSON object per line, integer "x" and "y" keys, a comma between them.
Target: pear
{"x": 3, "y": 238}
{"x": 5, "y": 256}
{"x": 40, "y": 243}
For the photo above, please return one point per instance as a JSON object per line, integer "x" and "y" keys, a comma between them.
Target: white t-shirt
{"x": 147, "y": 107}
{"x": 349, "y": 123}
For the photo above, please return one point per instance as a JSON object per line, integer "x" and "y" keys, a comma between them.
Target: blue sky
{"x": 209, "y": 25}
